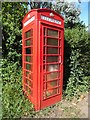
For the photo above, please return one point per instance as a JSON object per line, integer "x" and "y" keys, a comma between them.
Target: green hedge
{"x": 76, "y": 75}
{"x": 14, "y": 102}
{"x": 76, "y": 67}
{"x": 77, "y": 61}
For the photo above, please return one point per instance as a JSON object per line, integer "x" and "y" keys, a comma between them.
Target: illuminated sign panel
{"x": 29, "y": 21}
{"x": 50, "y": 19}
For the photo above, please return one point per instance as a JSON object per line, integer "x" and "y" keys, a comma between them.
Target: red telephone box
{"x": 42, "y": 57}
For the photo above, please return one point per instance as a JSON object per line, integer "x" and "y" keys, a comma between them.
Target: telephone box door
{"x": 52, "y": 65}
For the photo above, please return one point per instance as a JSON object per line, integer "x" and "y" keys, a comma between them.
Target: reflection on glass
{"x": 28, "y": 50}
{"x": 28, "y": 42}
{"x": 26, "y": 88}
{"x": 28, "y": 58}
{"x": 45, "y": 31}
{"x": 52, "y": 68}
{"x": 29, "y": 91}
{"x": 51, "y": 84}
{"x": 29, "y": 33}
{"x": 28, "y": 66}
{"x": 52, "y": 75}
{"x": 45, "y": 41}
{"x": 52, "y": 50}
{"x": 52, "y": 41}
{"x": 30, "y": 83}
{"x": 30, "y": 76}
{"x": 26, "y": 81}
{"x": 52, "y": 59}
{"x": 27, "y": 73}
{"x": 51, "y": 92}
{"x": 53, "y": 33}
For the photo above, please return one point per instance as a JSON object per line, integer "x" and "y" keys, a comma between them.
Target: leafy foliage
{"x": 70, "y": 12}
{"x": 35, "y": 5}
{"x": 77, "y": 58}
{"x": 12, "y": 14}
{"x": 79, "y": 61}
{"x": 14, "y": 103}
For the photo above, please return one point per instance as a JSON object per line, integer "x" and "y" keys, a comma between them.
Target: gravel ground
{"x": 65, "y": 109}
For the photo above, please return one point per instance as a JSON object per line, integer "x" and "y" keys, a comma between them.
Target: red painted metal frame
{"x": 57, "y": 97}
{"x": 38, "y": 25}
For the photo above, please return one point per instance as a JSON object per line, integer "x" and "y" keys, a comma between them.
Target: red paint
{"x": 42, "y": 57}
